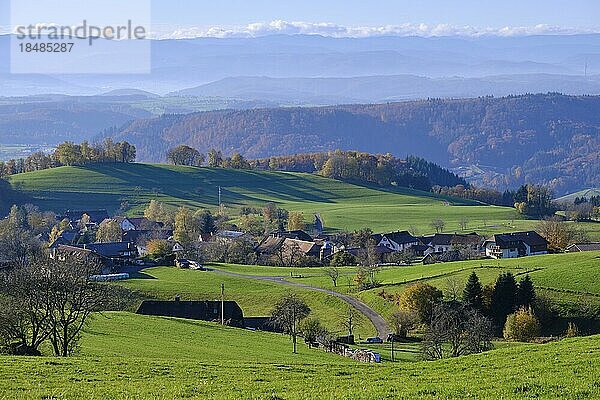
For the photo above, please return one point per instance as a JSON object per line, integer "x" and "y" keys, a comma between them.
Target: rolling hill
{"x": 502, "y": 142}
{"x": 130, "y": 356}
{"x": 342, "y": 205}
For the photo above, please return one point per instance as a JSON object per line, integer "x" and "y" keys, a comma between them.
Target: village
{"x": 136, "y": 232}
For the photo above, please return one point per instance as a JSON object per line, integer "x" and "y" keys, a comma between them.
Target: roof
{"x": 400, "y": 237}
{"x": 531, "y": 238}
{"x": 74, "y": 251}
{"x": 138, "y": 236}
{"x": 305, "y": 247}
{"x": 230, "y": 234}
{"x": 110, "y": 250}
{"x": 468, "y": 239}
{"x": 270, "y": 244}
{"x": 198, "y": 310}
{"x": 143, "y": 223}
{"x": 441, "y": 239}
{"x": 298, "y": 234}
{"x": 96, "y": 216}
{"x": 584, "y": 247}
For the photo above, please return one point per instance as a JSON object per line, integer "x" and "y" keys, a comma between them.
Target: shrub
{"x": 522, "y": 326}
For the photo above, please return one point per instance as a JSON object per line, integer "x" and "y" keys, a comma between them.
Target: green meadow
{"x": 566, "y": 278}
{"x": 256, "y": 298}
{"x": 125, "y": 356}
{"x": 343, "y": 206}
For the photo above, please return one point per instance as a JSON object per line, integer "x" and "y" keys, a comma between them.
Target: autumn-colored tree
{"x": 109, "y": 231}
{"x": 158, "y": 248}
{"x": 187, "y": 227}
{"x": 420, "y": 298}
{"x": 296, "y": 221}
{"x": 157, "y": 211}
{"x": 522, "y": 326}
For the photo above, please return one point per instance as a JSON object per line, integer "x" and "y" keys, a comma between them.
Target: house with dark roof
{"x": 577, "y": 247}
{"x": 516, "y": 244}
{"x": 196, "y": 310}
{"x": 96, "y": 216}
{"x": 297, "y": 235}
{"x": 444, "y": 242}
{"x": 395, "y": 241}
{"x": 64, "y": 252}
{"x": 140, "y": 237}
{"x": 114, "y": 250}
{"x": 111, "y": 255}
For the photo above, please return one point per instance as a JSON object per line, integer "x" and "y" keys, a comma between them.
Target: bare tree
{"x": 25, "y": 312}
{"x": 463, "y": 223}
{"x": 438, "y": 225}
{"x": 51, "y": 299}
{"x": 454, "y": 288}
{"x": 72, "y": 300}
{"x": 334, "y": 274}
{"x": 289, "y": 311}
{"x": 349, "y": 321}
{"x": 403, "y": 322}
{"x": 456, "y": 330}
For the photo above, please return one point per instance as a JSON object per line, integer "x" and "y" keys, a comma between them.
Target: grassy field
{"x": 256, "y": 298}
{"x": 341, "y": 205}
{"x": 567, "y": 278}
{"x": 125, "y": 356}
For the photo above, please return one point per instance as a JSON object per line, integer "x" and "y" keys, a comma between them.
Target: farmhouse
{"x": 394, "y": 241}
{"x": 64, "y": 252}
{"x": 517, "y": 244}
{"x": 442, "y": 243}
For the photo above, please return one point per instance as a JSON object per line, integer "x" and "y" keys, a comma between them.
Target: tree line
{"x": 69, "y": 154}
{"x": 353, "y": 166}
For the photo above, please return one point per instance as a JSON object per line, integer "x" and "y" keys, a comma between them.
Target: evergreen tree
{"x": 473, "y": 292}
{"x": 207, "y": 222}
{"x": 525, "y": 292}
{"x": 504, "y": 298}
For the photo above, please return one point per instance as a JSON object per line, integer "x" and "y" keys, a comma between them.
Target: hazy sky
{"x": 493, "y": 13}
{"x": 168, "y": 14}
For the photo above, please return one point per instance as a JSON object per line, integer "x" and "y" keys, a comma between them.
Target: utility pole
{"x": 220, "y": 203}
{"x": 222, "y": 304}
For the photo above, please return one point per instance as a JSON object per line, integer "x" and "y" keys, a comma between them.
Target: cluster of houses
{"x": 136, "y": 232}
{"x": 427, "y": 248}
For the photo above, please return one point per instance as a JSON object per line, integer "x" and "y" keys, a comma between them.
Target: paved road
{"x": 377, "y": 320}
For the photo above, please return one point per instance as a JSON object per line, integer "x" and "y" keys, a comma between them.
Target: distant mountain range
{"x": 181, "y": 64}
{"x": 501, "y": 142}
{"x": 373, "y": 89}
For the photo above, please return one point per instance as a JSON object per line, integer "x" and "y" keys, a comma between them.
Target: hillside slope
{"x": 342, "y": 205}
{"x": 127, "y": 356}
{"x": 550, "y": 139}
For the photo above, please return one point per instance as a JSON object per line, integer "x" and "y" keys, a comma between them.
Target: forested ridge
{"x": 548, "y": 139}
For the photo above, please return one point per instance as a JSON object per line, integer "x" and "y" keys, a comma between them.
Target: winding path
{"x": 380, "y": 324}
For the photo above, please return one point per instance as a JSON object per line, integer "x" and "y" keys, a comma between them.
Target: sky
{"x": 362, "y": 17}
